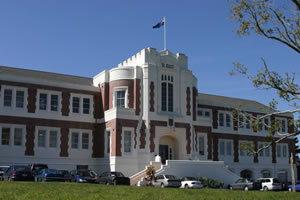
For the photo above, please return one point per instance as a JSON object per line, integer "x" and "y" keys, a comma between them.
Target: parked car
{"x": 190, "y": 182}
{"x": 113, "y": 178}
{"x": 18, "y": 173}
{"x": 269, "y": 184}
{"x": 3, "y": 169}
{"x": 244, "y": 184}
{"x": 35, "y": 168}
{"x": 48, "y": 175}
{"x": 164, "y": 180}
{"x": 83, "y": 176}
{"x": 290, "y": 187}
{"x": 67, "y": 175}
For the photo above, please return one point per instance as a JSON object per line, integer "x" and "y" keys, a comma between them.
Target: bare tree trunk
{"x": 293, "y": 173}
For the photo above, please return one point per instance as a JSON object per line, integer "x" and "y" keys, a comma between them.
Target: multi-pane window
{"x": 53, "y": 139}
{"x": 203, "y": 113}
{"x": 228, "y": 120}
{"x": 5, "y": 136}
{"x": 54, "y": 102}
{"x": 245, "y": 149}
{"x": 282, "y": 150}
{"x": 75, "y": 104}
{"x": 248, "y": 122}
{"x": 283, "y": 126}
{"x": 42, "y": 138}
{"x": 266, "y": 124}
{"x": 75, "y": 140}
{"x": 241, "y": 121}
{"x": 7, "y": 98}
{"x": 225, "y": 148}
{"x": 43, "y": 101}
{"x": 86, "y": 106}
{"x": 20, "y": 99}
{"x": 222, "y": 148}
{"x": 127, "y": 141}
{"x": 201, "y": 145}
{"x": 221, "y": 119}
{"x": 18, "y": 136}
{"x": 120, "y": 98}
{"x": 265, "y": 152}
{"x": 229, "y": 147}
{"x": 85, "y": 140}
{"x": 278, "y": 151}
{"x": 167, "y": 99}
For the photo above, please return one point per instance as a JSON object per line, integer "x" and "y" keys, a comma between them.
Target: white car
{"x": 269, "y": 184}
{"x": 190, "y": 182}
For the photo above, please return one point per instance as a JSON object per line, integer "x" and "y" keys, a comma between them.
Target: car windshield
{"x": 22, "y": 168}
{"x": 84, "y": 173}
{"x": 170, "y": 177}
{"x": 275, "y": 180}
{"x": 118, "y": 174}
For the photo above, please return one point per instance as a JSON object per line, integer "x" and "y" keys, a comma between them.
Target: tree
{"x": 273, "y": 21}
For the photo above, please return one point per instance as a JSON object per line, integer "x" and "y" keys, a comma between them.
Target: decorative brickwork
{"x": 152, "y": 97}
{"x": 30, "y": 129}
{"x": 120, "y": 83}
{"x": 195, "y": 94}
{"x": 236, "y": 149}
{"x": 188, "y": 101}
{"x": 215, "y": 148}
{"x": 235, "y": 120}
{"x": 31, "y": 100}
{"x": 255, "y": 158}
{"x": 98, "y": 141}
{"x": 215, "y": 118}
{"x": 143, "y": 136}
{"x": 274, "y": 153}
{"x": 137, "y": 96}
{"x": 207, "y": 130}
{"x": 64, "y": 142}
{"x": 65, "y": 108}
{"x": 104, "y": 88}
{"x": 187, "y": 134}
{"x": 98, "y": 107}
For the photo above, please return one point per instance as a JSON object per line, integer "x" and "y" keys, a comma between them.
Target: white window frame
{"x": 204, "y": 135}
{"x": 226, "y": 141}
{"x": 14, "y": 96}
{"x": 245, "y": 153}
{"x": 167, "y": 78}
{"x": 225, "y": 113}
{"x": 12, "y": 128}
{"x": 47, "y": 140}
{"x": 124, "y": 129}
{"x": 81, "y": 97}
{"x": 48, "y": 106}
{"x": 80, "y": 132}
{"x": 263, "y": 152}
{"x": 281, "y": 152}
{"x": 285, "y": 123}
{"x": 116, "y": 89}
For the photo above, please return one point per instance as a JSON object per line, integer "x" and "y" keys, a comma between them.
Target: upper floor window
{"x": 13, "y": 97}
{"x": 54, "y": 102}
{"x": 282, "y": 150}
{"x": 85, "y": 140}
{"x": 282, "y": 125}
{"x": 120, "y": 99}
{"x": 127, "y": 141}
{"x": 224, "y": 120}
{"x": 81, "y": 104}
{"x": 167, "y": 101}
{"x": 241, "y": 121}
{"x": 201, "y": 145}
{"x": 49, "y": 100}
{"x": 264, "y": 152}
{"x": 43, "y": 101}
{"x": 47, "y": 137}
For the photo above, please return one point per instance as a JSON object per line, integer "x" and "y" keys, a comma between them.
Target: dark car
{"x": 290, "y": 187}
{"x": 35, "y": 168}
{"x": 113, "y": 178}
{"x": 3, "y": 169}
{"x": 84, "y": 176}
{"x": 49, "y": 175}
{"x": 67, "y": 175}
{"x": 18, "y": 173}
{"x": 244, "y": 184}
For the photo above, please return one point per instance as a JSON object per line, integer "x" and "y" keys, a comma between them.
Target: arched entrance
{"x": 246, "y": 174}
{"x": 168, "y": 148}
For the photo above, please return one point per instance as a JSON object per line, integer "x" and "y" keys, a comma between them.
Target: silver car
{"x": 164, "y": 180}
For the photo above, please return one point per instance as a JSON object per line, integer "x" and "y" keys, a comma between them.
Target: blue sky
{"x": 85, "y": 37}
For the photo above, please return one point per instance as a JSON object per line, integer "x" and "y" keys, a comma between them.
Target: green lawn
{"x": 72, "y": 191}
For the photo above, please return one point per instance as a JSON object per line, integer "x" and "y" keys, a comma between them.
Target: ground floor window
{"x": 246, "y": 174}
{"x": 266, "y": 173}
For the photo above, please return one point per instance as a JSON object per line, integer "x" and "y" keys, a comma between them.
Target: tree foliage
{"x": 279, "y": 21}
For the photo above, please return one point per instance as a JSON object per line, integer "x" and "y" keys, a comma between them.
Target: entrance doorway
{"x": 163, "y": 153}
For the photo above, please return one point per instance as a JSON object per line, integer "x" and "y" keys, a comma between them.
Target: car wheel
{"x": 162, "y": 185}
{"x": 230, "y": 188}
{"x": 290, "y": 189}
{"x": 266, "y": 188}
{"x": 246, "y": 188}
{"x": 186, "y": 186}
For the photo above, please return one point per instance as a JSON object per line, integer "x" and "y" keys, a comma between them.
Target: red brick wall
{"x": 187, "y": 134}
{"x": 64, "y": 142}
{"x": 152, "y": 97}
{"x": 188, "y": 101}
{"x": 30, "y": 129}
{"x": 118, "y": 83}
{"x": 154, "y": 123}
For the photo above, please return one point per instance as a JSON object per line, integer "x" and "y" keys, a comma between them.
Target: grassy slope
{"x": 72, "y": 191}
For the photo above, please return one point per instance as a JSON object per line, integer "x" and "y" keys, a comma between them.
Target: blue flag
{"x": 159, "y": 24}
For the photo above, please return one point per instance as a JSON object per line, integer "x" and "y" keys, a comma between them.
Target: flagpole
{"x": 165, "y": 34}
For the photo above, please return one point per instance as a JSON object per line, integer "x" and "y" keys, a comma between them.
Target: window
{"x": 167, "y": 101}
{"x": 283, "y": 126}
{"x": 108, "y": 141}
{"x": 85, "y": 141}
{"x": 266, "y": 124}
{"x": 18, "y": 137}
{"x": 43, "y": 101}
{"x": 221, "y": 119}
{"x": 86, "y": 106}
{"x": 248, "y": 122}
{"x": 203, "y": 113}
{"x": 54, "y": 102}
{"x": 20, "y": 99}
{"x": 261, "y": 153}
{"x": 53, "y": 139}
{"x": 282, "y": 150}
{"x": 279, "y": 150}
{"x": 241, "y": 121}
{"x": 127, "y": 141}
{"x": 222, "y": 148}
{"x": 245, "y": 149}
{"x": 5, "y": 136}
{"x": 201, "y": 145}
{"x": 228, "y": 120}
{"x": 229, "y": 148}
{"x": 200, "y": 113}
{"x": 120, "y": 98}
{"x": 75, "y": 104}
{"x": 7, "y": 98}
{"x": 75, "y": 140}
{"x": 42, "y": 138}
{"x": 207, "y": 114}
